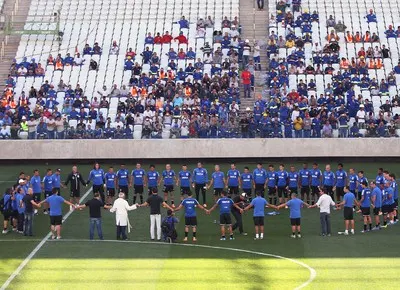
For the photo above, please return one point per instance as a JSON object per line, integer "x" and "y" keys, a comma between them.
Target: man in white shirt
{"x": 5, "y": 132}
{"x": 78, "y": 60}
{"x": 361, "y": 114}
{"x": 256, "y": 56}
{"x": 32, "y": 123}
{"x": 324, "y": 203}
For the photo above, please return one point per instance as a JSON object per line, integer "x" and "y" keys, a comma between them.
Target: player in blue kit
{"x": 352, "y": 181}
{"x": 328, "y": 181}
{"x": 349, "y": 201}
{"x": 387, "y": 201}
{"x": 376, "y": 200}
{"x": 57, "y": 181}
{"x": 152, "y": 179}
{"x": 190, "y": 205}
{"x": 259, "y": 204}
{"x": 35, "y": 184}
{"x": 293, "y": 177}
{"x": 395, "y": 187}
{"x": 260, "y": 179}
{"x": 282, "y": 183}
{"x": 137, "y": 180}
{"x": 48, "y": 187}
{"x": 199, "y": 181}
{"x": 360, "y": 179}
{"x": 365, "y": 206}
{"x": 316, "y": 178}
{"x": 122, "y": 177}
{"x": 304, "y": 182}
{"x": 218, "y": 179}
{"x": 233, "y": 180}
{"x": 169, "y": 178}
{"x": 185, "y": 179}
{"x": 225, "y": 205}
{"x": 272, "y": 178}
{"x": 341, "y": 181}
{"x": 380, "y": 179}
{"x": 96, "y": 176}
{"x": 294, "y": 204}
{"x": 110, "y": 178}
{"x": 246, "y": 180}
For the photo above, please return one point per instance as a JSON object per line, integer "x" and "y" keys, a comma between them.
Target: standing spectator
{"x": 324, "y": 203}
{"x": 298, "y": 127}
{"x": 246, "y": 81}
{"x": 260, "y": 4}
{"x": 246, "y": 53}
{"x": 121, "y": 208}
{"x": 155, "y": 201}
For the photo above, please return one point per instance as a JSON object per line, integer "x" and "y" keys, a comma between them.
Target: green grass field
{"x": 362, "y": 261}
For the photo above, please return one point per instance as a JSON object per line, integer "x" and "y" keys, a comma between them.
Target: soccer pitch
{"x": 362, "y": 261}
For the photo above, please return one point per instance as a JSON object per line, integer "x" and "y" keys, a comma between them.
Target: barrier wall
{"x": 198, "y": 148}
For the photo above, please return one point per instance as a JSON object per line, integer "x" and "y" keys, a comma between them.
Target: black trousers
{"x": 21, "y": 218}
{"x": 197, "y": 189}
{"x": 121, "y": 231}
{"x": 239, "y": 221}
{"x": 260, "y": 4}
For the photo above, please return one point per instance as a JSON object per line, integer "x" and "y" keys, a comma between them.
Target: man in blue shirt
{"x": 282, "y": 177}
{"x": 293, "y": 178}
{"x": 137, "y": 180}
{"x": 360, "y": 179}
{"x": 185, "y": 179}
{"x": 153, "y": 179}
{"x": 190, "y": 205}
{"x": 365, "y": 206}
{"x": 352, "y": 181}
{"x": 380, "y": 179}
{"x": 395, "y": 187}
{"x": 246, "y": 180}
{"x": 341, "y": 181}
{"x": 96, "y": 176}
{"x": 199, "y": 181}
{"x": 57, "y": 181}
{"x": 35, "y": 184}
{"x": 218, "y": 179}
{"x": 329, "y": 180}
{"x": 169, "y": 177}
{"x": 110, "y": 178}
{"x": 316, "y": 176}
{"x": 259, "y": 204}
{"x": 233, "y": 180}
{"x": 48, "y": 187}
{"x": 387, "y": 204}
{"x": 122, "y": 178}
{"x": 304, "y": 181}
{"x": 260, "y": 179}
{"x": 55, "y": 205}
{"x": 272, "y": 178}
{"x": 225, "y": 205}
{"x": 295, "y": 205}
{"x": 376, "y": 199}
{"x": 349, "y": 201}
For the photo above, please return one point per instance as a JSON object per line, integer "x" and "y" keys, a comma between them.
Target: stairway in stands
{"x": 254, "y": 27}
{"x": 20, "y": 8}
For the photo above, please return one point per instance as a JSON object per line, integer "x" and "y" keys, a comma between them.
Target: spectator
{"x": 114, "y": 50}
{"x": 246, "y": 81}
{"x": 371, "y": 17}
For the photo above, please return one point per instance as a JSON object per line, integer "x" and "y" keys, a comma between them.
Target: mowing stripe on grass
{"x": 19, "y": 240}
{"x": 37, "y": 248}
{"x": 313, "y": 273}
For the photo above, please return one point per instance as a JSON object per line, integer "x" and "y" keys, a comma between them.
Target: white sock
{"x": 257, "y": 236}
{"x": 352, "y": 230}
{"x": 346, "y": 231}
{"x": 261, "y": 235}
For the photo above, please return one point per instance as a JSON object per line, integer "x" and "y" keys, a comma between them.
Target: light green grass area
{"x": 369, "y": 261}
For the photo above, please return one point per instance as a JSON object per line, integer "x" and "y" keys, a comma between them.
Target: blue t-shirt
{"x": 218, "y": 177}
{"x": 353, "y": 182}
{"x": 305, "y": 175}
{"x": 56, "y": 180}
{"x": 190, "y": 204}
{"x": 395, "y": 187}
{"x": 329, "y": 178}
{"x": 152, "y": 178}
{"x": 361, "y": 180}
{"x": 380, "y": 179}
{"x": 293, "y": 179}
{"x": 389, "y": 195}
{"x": 55, "y": 203}
{"x": 225, "y": 204}
{"x": 366, "y": 194}
{"x": 259, "y": 203}
{"x": 96, "y": 176}
{"x": 200, "y": 175}
{"x": 246, "y": 180}
{"x": 348, "y": 199}
{"x": 272, "y": 178}
{"x": 36, "y": 184}
{"x": 341, "y": 176}
{"x": 138, "y": 176}
{"x": 295, "y": 208}
{"x": 377, "y": 192}
{"x": 18, "y": 198}
{"x": 123, "y": 177}
{"x": 48, "y": 182}
{"x": 168, "y": 177}
{"x": 315, "y": 177}
{"x": 110, "y": 180}
{"x": 282, "y": 178}
{"x": 233, "y": 177}
{"x": 259, "y": 176}
{"x": 185, "y": 177}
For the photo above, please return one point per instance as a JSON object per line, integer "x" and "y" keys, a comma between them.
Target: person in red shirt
{"x": 246, "y": 81}
{"x": 181, "y": 38}
{"x": 167, "y": 38}
{"x": 158, "y": 39}
{"x": 293, "y": 96}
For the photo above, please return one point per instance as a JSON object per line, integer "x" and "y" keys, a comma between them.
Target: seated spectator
{"x": 396, "y": 69}
{"x": 390, "y": 33}
{"x": 357, "y": 37}
{"x": 87, "y": 50}
{"x": 375, "y": 37}
{"x": 5, "y": 132}
{"x": 167, "y": 38}
{"x": 340, "y": 27}
{"x": 181, "y": 38}
{"x": 97, "y": 49}
{"x": 68, "y": 60}
{"x": 51, "y": 60}
{"x": 327, "y": 131}
{"x": 158, "y": 38}
{"x": 226, "y": 23}
{"x": 332, "y": 36}
{"x": 114, "y": 50}
{"x": 209, "y": 23}
{"x": 371, "y": 17}
{"x": 130, "y": 53}
{"x": 149, "y": 39}
{"x": 349, "y": 37}
{"x": 93, "y": 65}
{"x": 330, "y": 22}
{"x": 385, "y": 52}
{"x": 78, "y": 60}
{"x": 201, "y": 33}
{"x": 22, "y": 71}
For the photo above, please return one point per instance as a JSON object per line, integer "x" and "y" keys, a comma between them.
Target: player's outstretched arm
{"x": 248, "y": 207}
{"x": 279, "y": 206}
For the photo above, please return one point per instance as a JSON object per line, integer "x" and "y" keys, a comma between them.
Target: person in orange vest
{"x": 344, "y": 63}
{"x": 12, "y": 103}
{"x": 332, "y": 36}
{"x": 349, "y": 37}
{"x": 143, "y": 91}
{"x": 50, "y": 60}
{"x": 59, "y": 64}
{"x": 371, "y": 63}
{"x": 8, "y": 92}
{"x": 134, "y": 91}
{"x": 367, "y": 37}
{"x": 4, "y": 102}
{"x": 171, "y": 74}
{"x": 162, "y": 74}
{"x": 188, "y": 91}
{"x": 378, "y": 63}
{"x": 357, "y": 37}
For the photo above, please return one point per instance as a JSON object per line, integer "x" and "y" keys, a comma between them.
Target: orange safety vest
{"x": 344, "y": 64}
{"x": 171, "y": 75}
{"x": 23, "y": 102}
{"x": 378, "y": 63}
{"x": 349, "y": 38}
{"x": 134, "y": 91}
{"x": 143, "y": 91}
{"x": 12, "y": 104}
{"x": 159, "y": 104}
{"x": 357, "y": 38}
{"x": 162, "y": 75}
{"x": 371, "y": 64}
{"x": 367, "y": 38}
{"x": 8, "y": 93}
{"x": 188, "y": 91}
{"x": 59, "y": 65}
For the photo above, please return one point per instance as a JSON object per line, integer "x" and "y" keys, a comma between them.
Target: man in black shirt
{"x": 95, "y": 205}
{"x": 155, "y": 201}
{"x": 28, "y": 202}
{"x": 75, "y": 178}
{"x": 385, "y": 52}
{"x": 239, "y": 200}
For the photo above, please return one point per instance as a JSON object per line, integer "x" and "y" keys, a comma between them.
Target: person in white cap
{"x": 240, "y": 201}
{"x": 360, "y": 117}
{"x": 234, "y": 32}
{"x": 121, "y": 208}
{"x": 246, "y": 53}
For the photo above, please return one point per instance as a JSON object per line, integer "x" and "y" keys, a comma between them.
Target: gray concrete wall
{"x": 198, "y": 148}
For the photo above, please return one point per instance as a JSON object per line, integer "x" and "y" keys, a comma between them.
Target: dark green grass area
{"x": 336, "y": 259}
